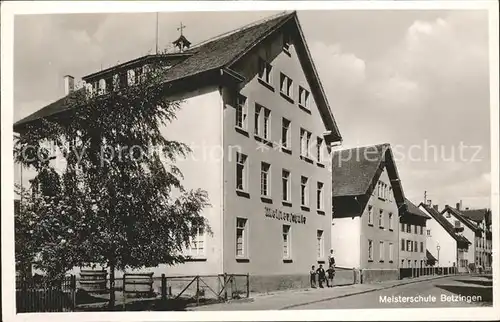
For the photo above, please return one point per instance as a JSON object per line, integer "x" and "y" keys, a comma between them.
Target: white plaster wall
{"x": 439, "y": 236}
{"x": 346, "y": 241}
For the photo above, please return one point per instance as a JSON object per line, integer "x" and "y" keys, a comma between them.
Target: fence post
{"x": 163, "y": 287}
{"x": 248, "y": 285}
{"x": 197, "y": 290}
{"x": 73, "y": 292}
{"x": 225, "y": 286}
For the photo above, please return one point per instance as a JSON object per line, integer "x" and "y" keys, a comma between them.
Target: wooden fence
{"x": 38, "y": 296}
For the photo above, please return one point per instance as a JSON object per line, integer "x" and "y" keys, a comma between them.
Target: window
{"x": 286, "y": 85}
{"x": 381, "y": 251}
{"x": 241, "y": 237}
{"x": 421, "y": 230}
{"x": 416, "y": 229}
{"x": 319, "y": 246}
{"x": 421, "y": 247}
{"x": 265, "y": 71}
{"x": 415, "y": 246}
{"x": 408, "y": 228}
{"x": 287, "y": 245}
{"x": 409, "y": 246}
{"x": 391, "y": 222}
{"x": 391, "y": 251}
{"x": 428, "y": 232}
{"x": 197, "y": 244}
{"x": 285, "y": 133}
{"x": 381, "y": 218}
{"x": 319, "y": 196}
{"x": 370, "y": 215}
{"x": 370, "y": 249}
{"x": 258, "y": 112}
{"x": 264, "y": 179}
{"x": 267, "y": 124}
{"x": 286, "y": 185}
{"x": 287, "y": 41}
{"x": 402, "y": 263}
{"x": 403, "y": 227}
{"x": 402, "y": 244}
{"x": 319, "y": 147}
{"x": 305, "y": 139}
{"x": 303, "y": 97}
{"x": 241, "y": 112}
{"x": 241, "y": 172}
{"x": 304, "y": 191}
{"x": 262, "y": 128}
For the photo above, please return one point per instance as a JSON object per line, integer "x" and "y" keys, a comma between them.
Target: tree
{"x": 116, "y": 198}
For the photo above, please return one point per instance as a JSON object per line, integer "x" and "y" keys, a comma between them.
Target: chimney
{"x": 458, "y": 206}
{"x": 69, "y": 84}
{"x": 436, "y": 207}
{"x": 429, "y": 203}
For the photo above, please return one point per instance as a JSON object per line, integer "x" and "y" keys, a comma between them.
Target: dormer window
{"x": 287, "y": 41}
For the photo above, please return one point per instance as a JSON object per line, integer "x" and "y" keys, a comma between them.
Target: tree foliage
{"x": 114, "y": 195}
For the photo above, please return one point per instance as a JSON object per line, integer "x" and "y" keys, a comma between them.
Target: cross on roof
{"x": 181, "y": 27}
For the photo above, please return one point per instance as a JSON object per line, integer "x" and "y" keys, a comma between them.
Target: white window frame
{"x": 391, "y": 221}
{"x": 391, "y": 252}
{"x": 241, "y": 109}
{"x": 370, "y": 250}
{"x": 305, "y": 142}
{"x": 265, "y": 71}
{"x": 265, "y": 179}
{"x": 286, "y": 184}
{"x": 195, "y": 251}
{"x": 381, "y": 218}
{"x": 370, "y": 215}
{"x": 242, "y": 160}
{"x": 266, "y": 127}
{"x": 287, "y": 241}
{"x": 319, "y": 149}
{"x": 381, "y": 251}
{"x": 286, "y": 85}
{"x": 320, "y": 202}
{"x": 257, "y": 115}
{"x": 286, "y": 141}
{"x": 304, "y": 97}
{"x": 304, "y": 191}
{"x": 244, "y": 239}
{"x": 320, "y": 244}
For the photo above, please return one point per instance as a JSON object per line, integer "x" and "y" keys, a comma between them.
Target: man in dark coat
{"x": 321, "y": 275}
{"x": 312, "y": 274}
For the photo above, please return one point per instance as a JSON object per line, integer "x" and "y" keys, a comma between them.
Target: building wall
{"x": 264, "y": 241}
{"x": 377, "y": 234}
{"x": 199, "y": 125}
{"x": 411, "y": 257}
{"x": 468, "y": 233}
{"x": 346, "y": 241}
{"x": 439, "y": 236}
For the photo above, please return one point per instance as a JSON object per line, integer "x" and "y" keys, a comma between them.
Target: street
{"x": 445, "y": 293}
{"x": 451, "y": 291}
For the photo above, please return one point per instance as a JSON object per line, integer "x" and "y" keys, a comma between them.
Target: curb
{"x": 362, "y": 292}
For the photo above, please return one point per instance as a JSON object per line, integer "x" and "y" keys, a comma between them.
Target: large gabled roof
{"x": 466, "y": 221}
{"x": 223, "y": 52}
{"x": 478, "y": 215}
{"x": 355, "y": 170}
{"x": 444, "y": 223}
{"x": 414, "y": 210}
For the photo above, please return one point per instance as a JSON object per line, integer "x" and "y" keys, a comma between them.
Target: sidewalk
{"x": 288, "y": 299}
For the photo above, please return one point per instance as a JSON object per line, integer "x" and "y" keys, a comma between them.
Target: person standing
{"x": 330, "y": 274}
{"x": 312, "y": 274}
{"x": 331, "y": 259}
{"x": 321, "y": 275}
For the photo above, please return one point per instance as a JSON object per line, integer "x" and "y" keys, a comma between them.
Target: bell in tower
{"x": 182, "y": 41}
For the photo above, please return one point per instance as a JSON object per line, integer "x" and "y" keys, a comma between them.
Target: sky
{"x": 418, "y": 80}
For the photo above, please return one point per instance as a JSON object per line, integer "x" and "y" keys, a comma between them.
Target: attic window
{"x": 265, "y": 71}
{"x": 287, "y": 41}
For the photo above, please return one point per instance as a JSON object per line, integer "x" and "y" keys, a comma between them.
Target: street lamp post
{"x": 438, "y": 248}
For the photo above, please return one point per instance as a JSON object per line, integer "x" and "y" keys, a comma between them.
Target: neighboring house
{"x": 482, "y": 217}
{"x": 367, "y": 197}
{"x": 254, "y": 94}
{"x": 470, "y": 230}
{"x": 445, "y": 242}
{"x": 412, "y": 237}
